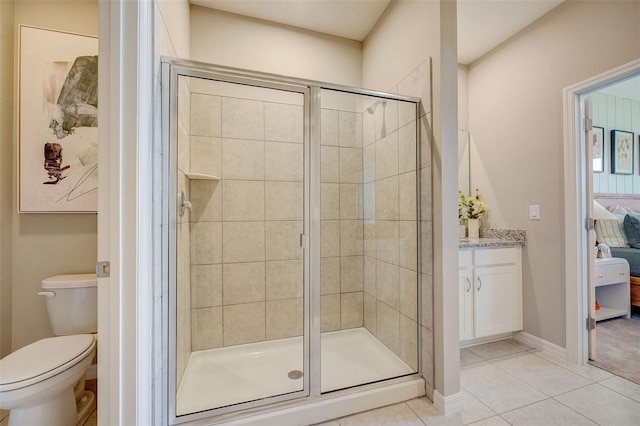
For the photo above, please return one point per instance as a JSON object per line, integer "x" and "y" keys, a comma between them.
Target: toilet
{"x": 43, "y": 383}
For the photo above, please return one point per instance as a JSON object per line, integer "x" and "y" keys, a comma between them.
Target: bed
{"x": 613, "y": 203}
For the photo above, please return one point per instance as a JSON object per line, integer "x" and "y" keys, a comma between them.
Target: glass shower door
{"x": 239, "y": 276}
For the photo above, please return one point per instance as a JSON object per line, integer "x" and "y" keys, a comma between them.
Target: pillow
{"x": 599, "y": 212}
{"x": 621, "y": 211}
{"x": 632, "y": 230}
{"x": 610, "y": 232}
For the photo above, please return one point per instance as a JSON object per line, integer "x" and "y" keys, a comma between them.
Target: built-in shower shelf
{"x": 200, "y": 176}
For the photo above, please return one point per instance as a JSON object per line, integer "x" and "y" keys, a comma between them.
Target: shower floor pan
{"x": 220, "y": 377}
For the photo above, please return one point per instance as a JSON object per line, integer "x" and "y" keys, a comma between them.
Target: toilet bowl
{"x": 43, "y": 383}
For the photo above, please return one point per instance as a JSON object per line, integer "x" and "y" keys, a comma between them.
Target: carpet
{"x": 618, "y": 347}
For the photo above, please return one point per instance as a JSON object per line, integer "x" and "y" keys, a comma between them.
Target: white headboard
{"x": 610, "y": 201}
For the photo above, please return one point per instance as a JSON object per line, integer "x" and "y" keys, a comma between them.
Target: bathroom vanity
{"x": 490, "y": 287}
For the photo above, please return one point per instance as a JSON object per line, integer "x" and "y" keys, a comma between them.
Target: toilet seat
{"x": 43, "y": 359}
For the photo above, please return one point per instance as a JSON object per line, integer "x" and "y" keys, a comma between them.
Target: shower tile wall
{"x": 342, "y": 231}
{"x": 246, "y": 262}
{"x": 183, "y": 234}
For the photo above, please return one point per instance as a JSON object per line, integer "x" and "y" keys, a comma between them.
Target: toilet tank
{"x": 72, "y": 303}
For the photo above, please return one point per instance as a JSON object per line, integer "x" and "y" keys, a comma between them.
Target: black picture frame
{"x": 597, "y": 149}
{"x": 622, "y": 152}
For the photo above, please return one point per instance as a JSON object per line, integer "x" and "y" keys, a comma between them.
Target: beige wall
{"x": 226, "y": 39}
{"x": 6, "y": 172}
{"x": 47, "y": 244}
{"x": 516, "y": 119}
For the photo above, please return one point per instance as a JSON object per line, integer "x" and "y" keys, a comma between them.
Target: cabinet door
{"x": 497, "y": 300}
{"x": 465, "y": 285}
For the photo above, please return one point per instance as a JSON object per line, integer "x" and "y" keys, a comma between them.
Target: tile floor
{"x": 509, "y": 383}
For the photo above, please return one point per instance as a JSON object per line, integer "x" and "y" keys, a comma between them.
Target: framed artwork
{"x": 621, "y": 152}
{"x": 57, "y": 121}
{"x": 597, "y": 149}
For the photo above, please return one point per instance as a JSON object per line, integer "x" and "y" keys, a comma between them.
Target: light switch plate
{"x": 534, "y": 212}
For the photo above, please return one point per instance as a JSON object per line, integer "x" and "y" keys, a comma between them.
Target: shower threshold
{"x": 220, "y": 377}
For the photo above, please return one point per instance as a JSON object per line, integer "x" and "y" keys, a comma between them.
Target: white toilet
{"x": 43, "y": 383}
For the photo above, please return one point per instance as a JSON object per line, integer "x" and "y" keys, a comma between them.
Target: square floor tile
{"x": 467, "y": 358}
{"x": 587, "y": 371}
{"x": 495, "y": 349}
{"x": 473, "y": 411}
{"x": 497, "y": 389}
{"x": 602, "y": 405}
{"x": 548, "y": 412}
{"x": 623, "y": 386}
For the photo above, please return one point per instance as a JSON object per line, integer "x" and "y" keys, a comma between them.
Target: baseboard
{"x": 448, "y": 404}
{"x": 541, "y": 344}
{"x": 483, "y": 340}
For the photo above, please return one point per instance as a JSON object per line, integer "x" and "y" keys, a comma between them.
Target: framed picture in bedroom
{"x": 57, "y": 121}
{"x": 622, "y": 152}
{"x": 597, "y": 149}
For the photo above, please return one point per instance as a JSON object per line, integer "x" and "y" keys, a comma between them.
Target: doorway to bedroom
{"x": 610, "y": 184}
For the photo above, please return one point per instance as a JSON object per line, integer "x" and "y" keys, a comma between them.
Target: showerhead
{"x": 373, "y": 107}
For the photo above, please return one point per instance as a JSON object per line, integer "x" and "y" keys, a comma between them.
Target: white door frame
{"x": 125, "y": 230}
{"x": 575, "y": 201}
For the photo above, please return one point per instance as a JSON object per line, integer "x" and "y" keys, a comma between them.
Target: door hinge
{"x": 304, "y": 241}
{"x": 588, "y": 124}
{"x": 589, "y": 224}
{"x": 103, "y": 269}
{"x": 591, "y": 323}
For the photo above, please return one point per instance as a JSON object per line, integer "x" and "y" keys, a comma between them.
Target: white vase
{"x": 473, "y": 228}
{"x": 462, "y": 230}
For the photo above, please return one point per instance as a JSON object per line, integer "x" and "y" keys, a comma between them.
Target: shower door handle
{"x": 183, "y": 203}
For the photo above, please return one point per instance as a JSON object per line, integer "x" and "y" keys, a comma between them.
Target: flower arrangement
{"x": 471, "y": 207}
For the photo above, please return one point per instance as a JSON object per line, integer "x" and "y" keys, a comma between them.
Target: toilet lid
{"x": 43, "y": 359}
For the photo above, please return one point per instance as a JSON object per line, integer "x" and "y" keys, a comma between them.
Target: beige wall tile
{"x": 244, "y": 323}
{"x": 206, "y": 328}
{"x": 418, "y": 84}
{"x": 407, "y": 196}
{"x": 426, "y": 207}
{"x": 329, "y": 120}
{"x": 387, "y": 247}
{"x": 370, "y": 275}
{"x": 426, "y": 301}
{"x": 409, "y": 293}
{"x": 283, "y": 240}
{"x": 329, "y": 164}
{"x": 369, "y": 164}
{"x": 409, "y": 342}
{"x": 329, "y": 238}
{"x": 368, "y": 127}
{"x": 425, "y": 141}
{"x": 407, "y": 155}
{"x": 406, "y": 113}
{"x": 242, "y": 200}
{"x": 284, "y": 200}
{"x": 387, "y": 156}
{"x": 390, "y": 120}
{"x": 242, "y": 159}
{"x": 387, "y": 199}
{"x": 206, "y": 199}
{"x": 351, "y": 274}
{"x": 242, "y": 119}
{"x": 388, "y": 327}
{"x": 351, "y": 310}
{"x": 370, "y": 308}
{"x": 350, "y": 129}
{"x": 206, "y": 286}
{"x": 285, "y": 279}
{"x": 206, "y": 243}
{"x": 426, "y": 248}
{"x": 284, "y": 161}
{"x": 369, "y": 238}
{"x": 205, "y": 115}
{"x": 283, "y": 123}
{"x": 243, "y": 282}
{"x": 426, "y": 355}
{"x": 350, "y": 165}
{"x": 408, "y": 242}
{"x": 329, "y": 201}
{"x": 243, "y": 242}
{"x": 330, "y": 312}
{"x": 284, "y": 318}
{"x": 351, "y": 238}
{"x": 205, "y": 156}
{"x": 330, "y": 275}
{"x": 387, "y": 284}
{"x": 351, "y": 198}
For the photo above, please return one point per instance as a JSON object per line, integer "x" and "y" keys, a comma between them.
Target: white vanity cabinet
{"x": 490, "y": 284}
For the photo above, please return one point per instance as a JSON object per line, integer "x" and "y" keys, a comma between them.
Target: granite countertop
{"x": 494, "y": 238}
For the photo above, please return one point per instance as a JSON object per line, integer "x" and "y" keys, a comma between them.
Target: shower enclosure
{"x": 292, "y": 255}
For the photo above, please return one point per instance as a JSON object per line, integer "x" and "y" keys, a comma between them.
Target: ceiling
{"x": 482, "y": 24}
